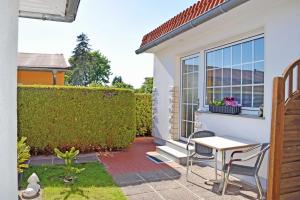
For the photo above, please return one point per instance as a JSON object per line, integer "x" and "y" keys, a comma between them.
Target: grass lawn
{"x": 93, "y": 183}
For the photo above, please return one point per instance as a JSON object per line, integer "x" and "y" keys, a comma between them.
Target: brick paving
{"x": 133, "y": 159}
{"x": 142, "y": 179}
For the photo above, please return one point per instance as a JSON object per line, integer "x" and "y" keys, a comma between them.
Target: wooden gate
{"x": 284, "y": 163}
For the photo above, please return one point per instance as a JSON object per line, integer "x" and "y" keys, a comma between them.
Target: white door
{"x": 189, "y": 102}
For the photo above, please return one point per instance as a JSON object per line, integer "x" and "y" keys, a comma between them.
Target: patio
{"x": 141, "y": 178}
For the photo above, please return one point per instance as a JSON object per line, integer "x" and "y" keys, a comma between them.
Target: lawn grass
{"x": 93, "y": 183}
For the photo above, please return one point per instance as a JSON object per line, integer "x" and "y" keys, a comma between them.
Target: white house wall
{"x": 278, "y": 20}
{"x": 8, "y": 98}
{"x": 164, "y": 74}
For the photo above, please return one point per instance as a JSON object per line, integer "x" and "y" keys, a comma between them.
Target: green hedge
{"x": 143, "y": 114}
{"x": 87, "y": 118}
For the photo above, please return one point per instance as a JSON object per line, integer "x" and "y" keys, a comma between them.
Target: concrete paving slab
{"x": 37, "y": 162}
{"x": 156, "y": 175}
{"x": 136, "y": 189}
{"x": 58, "y": 161}
{"x": 165, "y": 185}
{"x": 145, "y": 196}
{"x": 87, "y": 159}
{"x": 178, "y": 194}
{"x": 53, "y": 160}
{"x": 128, "y": 179}
{"x": 41, "y": 157}
{"x": 172, "y": 172}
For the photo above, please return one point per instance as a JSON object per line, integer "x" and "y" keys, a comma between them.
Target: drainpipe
{"x": 54, "y": 72}
{"x": 219, "y": 10}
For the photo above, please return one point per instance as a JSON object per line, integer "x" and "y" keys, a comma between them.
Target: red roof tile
{"x": 199, "y": 8}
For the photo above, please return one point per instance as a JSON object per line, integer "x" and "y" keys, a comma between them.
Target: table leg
{"x": 216, "y": 170}
{"x": 223, "y": 172}
{"x": 216, "y": 165}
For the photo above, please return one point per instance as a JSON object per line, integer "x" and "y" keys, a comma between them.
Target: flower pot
{"x": 233, "y": 110}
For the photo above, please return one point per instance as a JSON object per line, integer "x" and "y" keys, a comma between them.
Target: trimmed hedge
{"x": 143, "y": 114}
{"x": 87, "y": 118}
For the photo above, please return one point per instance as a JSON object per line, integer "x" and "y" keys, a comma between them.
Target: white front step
{"x": 172, "y": 154}
{"x": 179, "y": 146}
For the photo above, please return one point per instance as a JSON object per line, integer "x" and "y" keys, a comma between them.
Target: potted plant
{"x": 23, "y": 151}
{"x": 226, "y": 106}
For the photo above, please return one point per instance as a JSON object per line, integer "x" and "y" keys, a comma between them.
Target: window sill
{"x": 229, "y": 115}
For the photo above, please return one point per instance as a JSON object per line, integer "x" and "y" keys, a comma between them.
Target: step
{"x": 157, "y": 158}
{"x": 179, "y": 146}
{"x": 172, "y": 154}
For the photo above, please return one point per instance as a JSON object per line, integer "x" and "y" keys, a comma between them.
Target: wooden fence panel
{"x": 284, "y": 163}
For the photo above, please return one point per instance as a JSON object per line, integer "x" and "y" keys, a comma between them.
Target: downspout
{"x": 220, "y": 9}
{"x": 54, "y": 72}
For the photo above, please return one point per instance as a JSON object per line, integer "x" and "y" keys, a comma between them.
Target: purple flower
{"x": 230, "y": 101}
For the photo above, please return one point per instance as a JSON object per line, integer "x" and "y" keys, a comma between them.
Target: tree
{"x": 79, "y": 61}
{"x": 87, "y": 66}
{"x": 118, "y": 83}
{"x": 147, "y": 86}
{"x": 99, "y": 68}
{"x": 117, "y": 79}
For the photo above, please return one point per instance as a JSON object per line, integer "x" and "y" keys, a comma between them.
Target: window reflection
{"x": 237, "y": 71}
{"x": 259, "y": 72}
{"x": 189, "y": 93}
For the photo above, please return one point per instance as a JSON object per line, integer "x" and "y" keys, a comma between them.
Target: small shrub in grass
{"x": 143, "y": 114}
{"x": 86, "y": 118}
{"x": 68, "y": 157}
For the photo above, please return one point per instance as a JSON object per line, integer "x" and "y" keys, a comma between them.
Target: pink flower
{"x": 230, "y": 101}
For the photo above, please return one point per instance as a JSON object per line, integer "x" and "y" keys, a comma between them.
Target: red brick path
{"x": 132, "y": 159}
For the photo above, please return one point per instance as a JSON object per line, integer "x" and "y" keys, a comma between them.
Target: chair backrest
{"x": 264, "y": 148}
{"x": 200, "y": 149}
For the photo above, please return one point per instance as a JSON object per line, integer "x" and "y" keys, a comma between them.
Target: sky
{"x": 114, "y": 27}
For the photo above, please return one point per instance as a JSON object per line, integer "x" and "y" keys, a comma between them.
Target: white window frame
{"x": 230, "y": 45}
{"x": 195, "y": 55}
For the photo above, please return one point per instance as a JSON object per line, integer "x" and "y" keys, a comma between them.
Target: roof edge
{"x": 218, "y": 10}
{"x": 70, "y": 13}
{"x": 25, "y": 68}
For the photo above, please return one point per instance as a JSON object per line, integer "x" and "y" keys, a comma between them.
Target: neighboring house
{"x": 219, "y": 48}
{"x": 10, "y": 10}
{"x": 41, "y": 69}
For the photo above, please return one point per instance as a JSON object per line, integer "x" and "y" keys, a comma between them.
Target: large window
{"x": 238, "y": 71}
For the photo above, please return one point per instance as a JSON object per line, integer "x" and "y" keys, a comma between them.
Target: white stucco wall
{"x": 8, "y": 98}
{"x": 278, "y": 20}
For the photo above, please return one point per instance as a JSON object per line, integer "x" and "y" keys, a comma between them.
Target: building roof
{"x": 42, "y": 61}
{"x": 55, "y": 10}
{"x": 199, "y": 8}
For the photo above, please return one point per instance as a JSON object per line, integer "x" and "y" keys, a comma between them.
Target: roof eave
{"x": 220, "y": 9}
{"x": 70, "y": 16}
{"x": 25, "y": 68}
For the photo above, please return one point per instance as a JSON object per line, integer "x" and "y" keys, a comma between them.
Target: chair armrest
{"x": 256, "y": 154}
{"x": 249, "y": 157}
{"x": 189, "y": 141}
{"x": 234, "y": 160}
{"x": 244, "y": 151}
{"x": 243, "y": 159}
